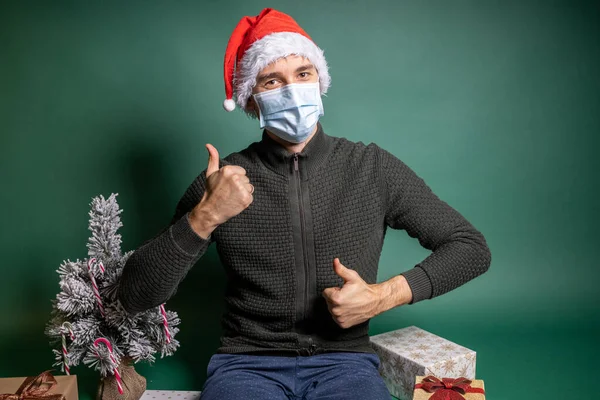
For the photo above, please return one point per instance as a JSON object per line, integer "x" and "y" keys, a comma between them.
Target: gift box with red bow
{"x": 410, "y": 352}
{"x": 45, "y": 386}
{"x": 433, "y": 388}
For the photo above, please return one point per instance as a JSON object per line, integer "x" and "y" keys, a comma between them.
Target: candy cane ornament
{"x": 67, "y": 326}
{"x": 165, "y": 323}
{"x": 112, "y": 359}
{"x": 91, "y": 263}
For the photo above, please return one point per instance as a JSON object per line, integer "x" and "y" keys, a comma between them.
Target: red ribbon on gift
{"x": 35, "y": 389}
{"x": 447, "y": 388}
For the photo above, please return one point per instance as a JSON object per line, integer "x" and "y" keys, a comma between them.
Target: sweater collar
{"x": 277, "y": 158}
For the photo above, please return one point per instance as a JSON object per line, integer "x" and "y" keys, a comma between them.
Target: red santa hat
{"x": 258, "y": 41}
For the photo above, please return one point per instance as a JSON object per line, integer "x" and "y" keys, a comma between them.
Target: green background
{"x": 495, "y": 104}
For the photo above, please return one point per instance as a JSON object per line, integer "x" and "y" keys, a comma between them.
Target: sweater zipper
{"x": 302, "y": 231}
{"x": 304, "y": 256}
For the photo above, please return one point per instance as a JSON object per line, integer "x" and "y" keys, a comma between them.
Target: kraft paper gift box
{"x": 433, "y": 388}
{"x": 410, "y": 352}
{"x": 34, "y": 387}
{"x": 170, "y": 395}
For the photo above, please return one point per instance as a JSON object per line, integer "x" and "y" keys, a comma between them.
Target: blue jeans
{"x": 332, "y": 376}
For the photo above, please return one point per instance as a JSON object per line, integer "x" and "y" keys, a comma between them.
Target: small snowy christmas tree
{"x": 88, "y": 323}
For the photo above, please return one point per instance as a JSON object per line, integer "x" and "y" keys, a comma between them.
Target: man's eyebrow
{"x": 269, "y": 76}
{"x": 305, "y": 67}
{"x": 272, "y": 75}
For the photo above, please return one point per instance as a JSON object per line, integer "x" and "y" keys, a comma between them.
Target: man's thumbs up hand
{"x": 228, "y": 192}
{"x": 353, "y": 303}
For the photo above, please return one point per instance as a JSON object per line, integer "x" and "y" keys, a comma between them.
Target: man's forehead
{"x": 292, "y": 61}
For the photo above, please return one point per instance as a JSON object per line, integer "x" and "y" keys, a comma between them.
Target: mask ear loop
{"x": 259, "y": 110}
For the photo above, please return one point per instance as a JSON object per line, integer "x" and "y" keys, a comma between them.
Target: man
{"x": 299, "y": 220}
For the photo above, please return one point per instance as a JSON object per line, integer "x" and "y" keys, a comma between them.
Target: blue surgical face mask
{"x": 291, "y": 111}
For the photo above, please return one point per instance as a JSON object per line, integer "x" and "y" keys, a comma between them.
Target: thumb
{"x": 345, "y": 273}
{"x": 213, "y": 160}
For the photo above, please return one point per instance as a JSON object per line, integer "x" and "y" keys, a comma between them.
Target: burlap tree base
{"x": 134, "y": 385}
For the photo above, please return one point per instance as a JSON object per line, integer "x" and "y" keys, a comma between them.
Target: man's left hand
{"x": 355, "y": 302}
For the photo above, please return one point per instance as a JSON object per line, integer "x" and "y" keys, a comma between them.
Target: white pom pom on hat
{"x": 229, "y": 105}
{"x": 258, "y": 41}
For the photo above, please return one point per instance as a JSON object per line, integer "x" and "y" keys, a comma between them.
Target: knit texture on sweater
{"x": 355, "y": 192}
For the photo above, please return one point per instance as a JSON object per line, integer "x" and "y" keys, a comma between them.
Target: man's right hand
{"x": 228, "y": 193}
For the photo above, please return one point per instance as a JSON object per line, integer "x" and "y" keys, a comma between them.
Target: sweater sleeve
{"x": 153, "y": 272}
{"x": 459, "y": 251}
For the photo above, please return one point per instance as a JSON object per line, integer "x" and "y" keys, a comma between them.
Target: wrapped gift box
{"x": 410, "y": 352}
{"x": 170, "y": 394}
{"x": 466, "y": 391}
{"x": 67, "y": 385}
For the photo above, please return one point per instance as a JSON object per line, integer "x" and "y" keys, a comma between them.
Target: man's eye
{"x": 304, "y": 75}
{"x": 271, "y": 82}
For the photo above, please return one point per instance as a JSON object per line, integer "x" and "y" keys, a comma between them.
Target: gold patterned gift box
{"x": 410, "y": 352}
{"x": 45, "y": 386}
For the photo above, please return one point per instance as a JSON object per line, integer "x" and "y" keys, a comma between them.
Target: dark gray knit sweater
{"x": 334, "y": 199}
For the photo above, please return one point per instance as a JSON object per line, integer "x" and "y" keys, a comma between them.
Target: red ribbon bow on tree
{"x": 447, "y": 388}
{"x": 35, "y": 389}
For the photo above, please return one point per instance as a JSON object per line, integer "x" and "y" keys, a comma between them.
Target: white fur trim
{"x": 269, "y": 49}
{"x": 229, "y": 105}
